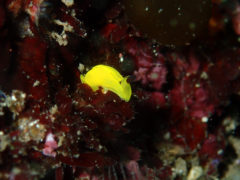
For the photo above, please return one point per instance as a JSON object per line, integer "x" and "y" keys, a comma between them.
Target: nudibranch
{"x": 109, "y": 79}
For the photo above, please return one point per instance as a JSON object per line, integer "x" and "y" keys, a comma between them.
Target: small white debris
{"x": 62, "y": 38}
{"x": 195, "y": 173}
{"x": 68, "y": 3}
{"x": 15, "y": 102}
{"x": 53, "y": 111}
{"x": 4, "y": 141}
{"x": 32, "y": 123}
{"x": 81, "y": 67}
{"x": 230, "y": 124}
{"x": 73, "y": 13}
{"x": 167, "y": 136}
{"x": 204, "y": 75}
{"x": 180, "y": 168}
{"x": 30, "y": 129}
{"x": 61, "y": 139}
{"x": 76, "y": 155}
{"x": 24, "y": 29}
{"x": 197, "y": 85}
{"x": 59, "y": 38}
{"x": 220, "y": 151}
{"x": 204, "y": 119}
{"x": 15, "y": 171}
{"x": 79, "y": 132}
{"x": 36, "y": 83}
{"x": 66, "y": 27}
{"x": 121, "y": 58}
{"x": 160, "y": 10}
{"x": 100, "y": 147}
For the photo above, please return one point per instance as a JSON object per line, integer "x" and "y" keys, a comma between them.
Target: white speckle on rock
{"x": 68, "y": 3}
{"x": 204, "y": 119}
{"x": 62, "y": 38}
{"x": 194, "y": 173}
{"x": 36, "y": 83}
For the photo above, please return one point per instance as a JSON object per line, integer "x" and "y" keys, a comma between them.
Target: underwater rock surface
{"x": 182, "y": 120}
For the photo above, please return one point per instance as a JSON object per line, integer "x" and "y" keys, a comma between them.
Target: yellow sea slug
{"x": 109, "y": 79}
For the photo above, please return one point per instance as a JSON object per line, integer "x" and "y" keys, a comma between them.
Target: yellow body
{"x": 109, "y": 79}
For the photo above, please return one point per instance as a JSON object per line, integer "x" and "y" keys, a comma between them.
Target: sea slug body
{"x": 109, "y": 79}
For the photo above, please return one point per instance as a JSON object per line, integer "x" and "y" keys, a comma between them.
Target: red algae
{"x": 182, "y": 121}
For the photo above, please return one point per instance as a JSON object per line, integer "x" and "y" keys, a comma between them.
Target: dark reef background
{"x": 182, "y": 59}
